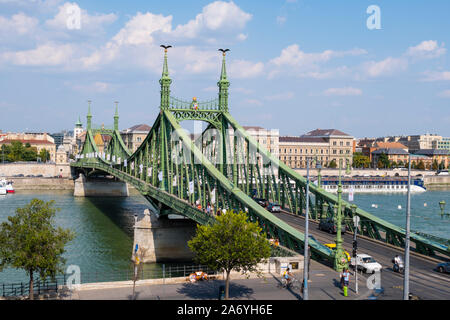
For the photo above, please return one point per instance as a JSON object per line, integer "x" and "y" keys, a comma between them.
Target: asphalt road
{"x": 425, "y": 282}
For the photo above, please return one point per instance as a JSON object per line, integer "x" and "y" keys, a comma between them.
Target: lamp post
{"x": 407, "y": 244}
{"x": 319, "y": 176}
{"x": 442, "y": 206}
{"x": 306, "y": 242}
{"x": 355, "y": 244}
{"x": 340, "y": 260}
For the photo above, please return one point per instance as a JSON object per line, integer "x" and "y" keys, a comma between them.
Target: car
{"x": 332, "y": 246}
{"x": 443, "y": 267}
{"x": 329, "y": 225}
{"x": 262, "y": 202}
{"x": 273, "y": 207}
{"x": 366, "y": 263}
{"x": 442, "y": 173}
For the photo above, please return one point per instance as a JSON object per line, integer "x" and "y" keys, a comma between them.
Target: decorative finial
{"x": 165, "y": 47}
{"x": 224, "y": 51}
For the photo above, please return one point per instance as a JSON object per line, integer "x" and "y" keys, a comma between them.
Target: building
{"x": 394, "y": 155}
{"x": 443, "y": 144}
{"x": 441, "y": 157}
{"x": 134, "y": 136}
{"x": 327, "y": 145}
{"x": 61, "y": 155}
{"x": 368, "y": 148}
{"x": 268, "y": 139}
{"x": 39, "y": 140}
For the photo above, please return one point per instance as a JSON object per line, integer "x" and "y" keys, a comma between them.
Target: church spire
{"x": 165, "y": 81}
{"x": 223, "y": 84}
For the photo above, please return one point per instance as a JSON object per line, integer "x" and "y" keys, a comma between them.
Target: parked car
{"x": 330, "y": 226}
{"x": 366, "y": 263}
{"x": 443, "y": 267}
{"x": 332, "y": 246}
{"x": 273, "y": 207}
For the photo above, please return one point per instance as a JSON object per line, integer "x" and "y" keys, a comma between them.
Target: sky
{"x": 293, "y": 65}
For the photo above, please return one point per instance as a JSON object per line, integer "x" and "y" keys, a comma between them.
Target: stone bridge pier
{"x": 99, "y": 187}
{"x": 163, "y": 239}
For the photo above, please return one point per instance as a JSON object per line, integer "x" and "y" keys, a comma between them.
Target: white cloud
{"x": 18, "y": 24}
{"x": 215, "y": 16}
{"x": 387, "y": 66}
{"x": 293, "y": 56}
{"x": 49, "y": 54}
{"x": 253, "y": 102}
{"x": 347, "y": 91}
{"x": 427, "y": 49}
{"x": 437, "y": 76}
{"x": 281, "y": 20}
{"x": 281, "y": 96}
{"x": 245, "y": 69}
{"x": 241, "y": 37}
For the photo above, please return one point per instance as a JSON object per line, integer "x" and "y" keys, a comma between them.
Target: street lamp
{"x": 319, "y": 177}
{"x": 340, "y": 260}
{"x": 442, "y": 206}
{"x": 306, "y": 242}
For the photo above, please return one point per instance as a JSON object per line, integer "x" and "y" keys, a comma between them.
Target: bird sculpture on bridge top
{"x": 165, "y": 47}
{"x": 224, "y": 50}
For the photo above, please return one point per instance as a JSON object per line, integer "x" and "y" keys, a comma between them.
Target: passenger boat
{"x": 372, "y": 184}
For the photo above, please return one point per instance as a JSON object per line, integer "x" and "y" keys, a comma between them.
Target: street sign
{"x": 356, "y": 221}
{"x": 136, "y": 248}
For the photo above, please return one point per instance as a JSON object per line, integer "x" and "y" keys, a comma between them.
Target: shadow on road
{"x": 210, "y": 290}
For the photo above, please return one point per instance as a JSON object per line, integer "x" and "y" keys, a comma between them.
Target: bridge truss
{"x": 226, "y": 168}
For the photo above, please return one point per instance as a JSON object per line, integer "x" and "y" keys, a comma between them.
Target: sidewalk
{"x": 323, "y": 285}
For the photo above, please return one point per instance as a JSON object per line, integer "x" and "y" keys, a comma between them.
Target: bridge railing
{"x": 176, "y": 103}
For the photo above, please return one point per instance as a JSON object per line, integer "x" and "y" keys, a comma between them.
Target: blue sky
{"x": 293, "y": 66}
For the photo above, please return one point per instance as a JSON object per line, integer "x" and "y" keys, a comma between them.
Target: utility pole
{"x": 306, "y": 245}
{"x": 355, "y": 244}
{"x": 408, "y": 213}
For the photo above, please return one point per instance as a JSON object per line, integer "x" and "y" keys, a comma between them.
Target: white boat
{"x": 3, "y": 187}
{"x": 6, "y": 187}
{"x": 373, "y": 185}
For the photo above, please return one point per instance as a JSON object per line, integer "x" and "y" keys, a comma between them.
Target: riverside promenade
{"x": 323, "y": 285}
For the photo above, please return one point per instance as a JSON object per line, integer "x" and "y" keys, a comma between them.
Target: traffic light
{"x": 355, "y": 247}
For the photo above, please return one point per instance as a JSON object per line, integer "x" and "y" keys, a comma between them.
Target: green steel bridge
{"x": 225, "y": 167}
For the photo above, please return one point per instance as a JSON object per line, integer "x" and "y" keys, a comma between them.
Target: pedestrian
{"x": 345, "y": 278}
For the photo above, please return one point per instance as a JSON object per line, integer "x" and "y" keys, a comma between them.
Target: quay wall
{"x": 42, "y": 183}
{"x": 47, "y": 170}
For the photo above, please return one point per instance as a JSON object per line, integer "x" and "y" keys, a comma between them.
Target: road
{"x": 425, "y": 282}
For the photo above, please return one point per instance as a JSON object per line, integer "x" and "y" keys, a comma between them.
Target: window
{"x": 348, "y": 143}
{"x": 334, "y": 143}
{"x": 341, "y": 143}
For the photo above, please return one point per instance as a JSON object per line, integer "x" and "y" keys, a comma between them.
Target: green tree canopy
{"x": 421, "y": 165}
{"x": 332, "y": 164}
{"x": 383, "y": 161}
{"x": 360, "y": 160}
{"x": 232, "y": 243}
{"x": 29, "y": 241}
{"x": 44, "y": 155}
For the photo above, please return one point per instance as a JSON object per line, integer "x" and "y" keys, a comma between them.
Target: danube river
{"x": 104, "y": 226}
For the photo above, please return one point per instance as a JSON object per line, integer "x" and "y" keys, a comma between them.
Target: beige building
{"x": 134, "y": 136}
{"x": 39, "y": 140}
{"x": 61, "y": 155}
{"x": 324, "y": 144}
{"x": 269, "y": 139}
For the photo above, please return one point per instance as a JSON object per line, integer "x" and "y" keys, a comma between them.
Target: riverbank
{"x": 42, "y": 183}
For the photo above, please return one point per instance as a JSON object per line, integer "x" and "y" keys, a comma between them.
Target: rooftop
{"x": 390, "y": 151}
{"x": 325, "y": 133}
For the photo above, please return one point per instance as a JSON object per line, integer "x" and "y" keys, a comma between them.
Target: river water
{"x": 104, "y": 226}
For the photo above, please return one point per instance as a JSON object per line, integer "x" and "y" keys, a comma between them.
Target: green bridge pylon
{"x": 223, "y": 167}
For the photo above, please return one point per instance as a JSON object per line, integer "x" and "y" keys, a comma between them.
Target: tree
{"x": 360, "y": 160}
{"x": 421, "y": 165}
{"x": 16, "y": 150}
{"x": 29, "y": 241}
{"x": 435, "y": 165}
{"x": 232, "y": 243}
{"x": 332, "y": 164}
{"x": 400, "y": 164}
{"x": 44, "y": 155}
{"x": 383, "y": 161}
{"x": 29, "y": 154}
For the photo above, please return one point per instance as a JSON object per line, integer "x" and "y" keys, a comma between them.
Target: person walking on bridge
{"x": 345, "y": 278}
